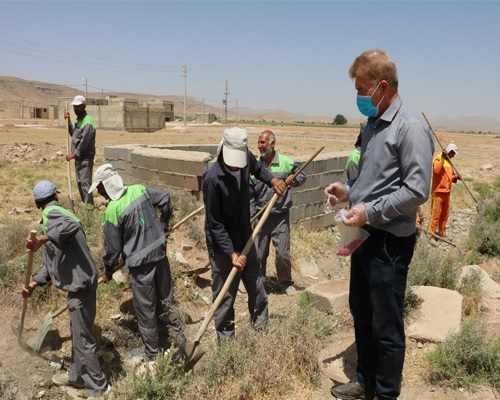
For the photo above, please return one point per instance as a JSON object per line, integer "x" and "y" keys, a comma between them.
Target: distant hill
{"x": 14, "y": 91}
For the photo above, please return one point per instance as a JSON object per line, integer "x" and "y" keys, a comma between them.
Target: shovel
{"x": 27, "y": 278}
{"x": 48, "y": 319}
{"x": 192, "y": 355}
{"x": 68, "y": 169}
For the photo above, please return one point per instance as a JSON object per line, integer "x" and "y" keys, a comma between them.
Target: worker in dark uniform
{"x": 227, "y": 226}
{"x": 83, "y": 133}
{"x": 68, "y": 264}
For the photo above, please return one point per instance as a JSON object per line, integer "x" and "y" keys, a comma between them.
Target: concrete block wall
{"x": 119, "y": 114}
{"x": 182, "y": 167}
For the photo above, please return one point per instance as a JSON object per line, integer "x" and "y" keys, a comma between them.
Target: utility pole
{"x": 225, "y": 105}
{"x": 185, "y": 89}
{"x": 86, "y": 87}
{"x": 203, "y": 111}
{"x": 236, "y": 111}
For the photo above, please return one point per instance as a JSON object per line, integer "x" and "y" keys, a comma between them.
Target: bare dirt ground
{"x": 24, "y": 145}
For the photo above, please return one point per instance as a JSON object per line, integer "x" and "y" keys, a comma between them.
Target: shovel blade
{"x": 42, "y": 332}
{"x": 20, "y": 340}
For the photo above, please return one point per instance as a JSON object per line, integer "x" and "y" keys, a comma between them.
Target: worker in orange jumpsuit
{"x": 442, "y": 177}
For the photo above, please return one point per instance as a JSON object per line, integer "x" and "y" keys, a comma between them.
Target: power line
{"x": 84, "y": 56}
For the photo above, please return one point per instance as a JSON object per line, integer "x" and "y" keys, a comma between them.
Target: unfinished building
{"x": 119, "y": 113}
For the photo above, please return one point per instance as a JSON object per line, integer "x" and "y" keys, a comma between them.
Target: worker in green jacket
{"x": 83, "y": 133}
{"x": 277, "y": 226}
{"x": 133, "y": 232}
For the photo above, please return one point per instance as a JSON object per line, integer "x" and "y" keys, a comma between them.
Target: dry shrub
{"x": 272, "y": 364}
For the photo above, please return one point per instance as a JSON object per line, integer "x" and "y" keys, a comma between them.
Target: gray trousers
{"x": 254, "y": 284}
{"x": 277, "y": 230}
{"x": 83, "y": 172}
{"x": 152, "y": 295}
{"x": 85, "y": 366}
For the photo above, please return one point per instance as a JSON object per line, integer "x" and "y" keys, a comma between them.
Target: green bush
{"x": 431, "y": 267}
{"x": 254, "y": 365}
{"x": 467, "y": 358}
{"x": 484, "y": 235}
{"x": 163, "y": 381}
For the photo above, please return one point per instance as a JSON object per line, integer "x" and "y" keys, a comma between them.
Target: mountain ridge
{"x": 15, "y": 91}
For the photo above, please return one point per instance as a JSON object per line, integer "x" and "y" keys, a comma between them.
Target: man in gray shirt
{"x": 394, "y": 179}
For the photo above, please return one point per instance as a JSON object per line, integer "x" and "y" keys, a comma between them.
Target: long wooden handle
{"x": 68, "y": 169}
{"x": 27, "y": 279}
{"x": 449, "y": 159}
{"x": 183, "y": 220}
{"x": 234, "y": 271}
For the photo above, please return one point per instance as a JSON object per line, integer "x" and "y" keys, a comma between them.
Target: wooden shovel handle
{"x": 27, "y": 279}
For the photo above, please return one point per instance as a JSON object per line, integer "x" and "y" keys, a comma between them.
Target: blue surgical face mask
{"x": 365, "y": 104}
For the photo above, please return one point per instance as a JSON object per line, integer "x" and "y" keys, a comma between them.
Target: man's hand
{"x": 289, "y": 180}
{"x": 336, "y": 192}
{"x": 239, "y": 261}
{"x": 66, "y": 115}
{"x": 34, "y": 245}
{"x": 70, "y": 156}
{"x": 356, "y": 216}
{"x": 279, "y": 186}
{"x": 28, "y": 291}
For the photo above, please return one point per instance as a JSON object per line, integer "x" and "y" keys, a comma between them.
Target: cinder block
{"x": 175, "y": 161}
{"x": 110, "y": 154}
{"x": 309, "y": 169}
{"x": 300, "y": 198}
{"x": 337, "y": 160}
{"x": 181, "y": 181}
{"x": 297, "y": 213}
{"x": 306, "y": 223}
{"x": 145, "y": 176}
{"x": 320, "y": 166}
{"x": 312, "y": 182}
{"x": 330, "y": 177}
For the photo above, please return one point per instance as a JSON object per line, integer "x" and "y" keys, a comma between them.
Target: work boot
{"x": 352, "y": 391}
{"x": 63, "y": 380}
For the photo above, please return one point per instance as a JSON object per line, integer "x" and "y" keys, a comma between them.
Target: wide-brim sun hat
{"x": 111, "y": 180}
{"x": 452, "y": 147}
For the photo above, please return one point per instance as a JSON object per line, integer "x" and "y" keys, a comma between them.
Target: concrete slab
{"x": 439, "y": 314}
{"x": 330, "y": 296}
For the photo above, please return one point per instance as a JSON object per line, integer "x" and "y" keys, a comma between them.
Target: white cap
{"x": 451, "y": 147}
{"x": 78, "y": 100}
{"x": 234, "y": 145}
{"x": 111, "y": 180}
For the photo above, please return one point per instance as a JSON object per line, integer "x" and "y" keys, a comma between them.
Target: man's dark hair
{"x": 45, "y": 201}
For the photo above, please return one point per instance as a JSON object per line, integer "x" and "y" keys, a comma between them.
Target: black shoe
{"x": 350, "y": 391}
